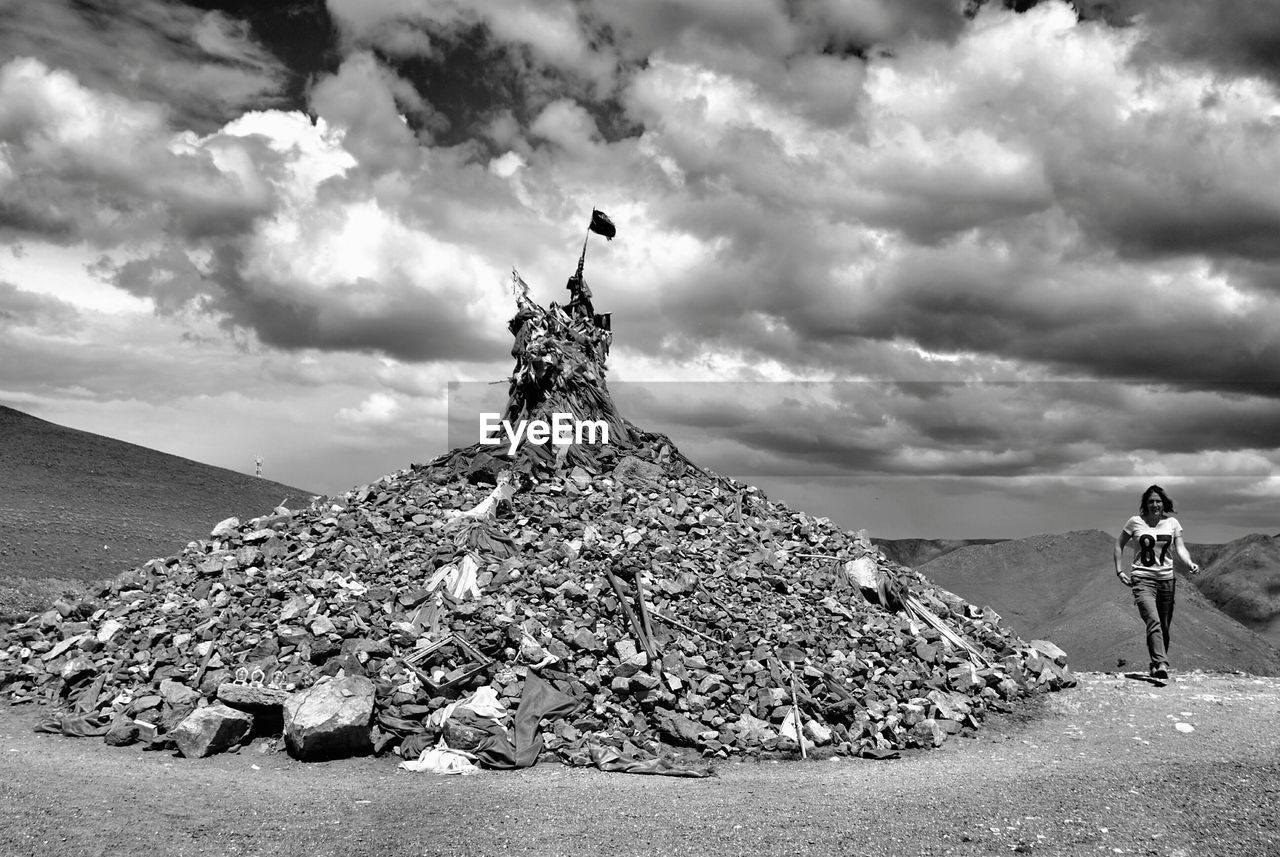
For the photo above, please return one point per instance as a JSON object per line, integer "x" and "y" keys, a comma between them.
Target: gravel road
{"x": 1115, "y": 766}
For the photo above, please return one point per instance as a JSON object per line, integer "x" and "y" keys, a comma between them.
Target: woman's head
{"x": 1155, "y": 491}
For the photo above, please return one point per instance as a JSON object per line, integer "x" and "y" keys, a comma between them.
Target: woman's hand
{"x": 1194, "y": 568}
{"x": 1124, "y": 578}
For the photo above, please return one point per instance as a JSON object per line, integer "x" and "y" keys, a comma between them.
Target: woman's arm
{"x": 1118, "y": 555}
{"x": 1180, "y": 547}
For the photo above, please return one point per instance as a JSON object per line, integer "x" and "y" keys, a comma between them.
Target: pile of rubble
{"x": 603, "y": 605}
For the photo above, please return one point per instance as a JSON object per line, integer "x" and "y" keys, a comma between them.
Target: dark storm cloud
{"x": 1152, "y": 191}
{"x": 206, "y": 66}
{"x": 1260, "y": 277}
{"x": 1186, "y": 421}
{"x": 1231, "y": 36}
{"x": 1122, "y": 323}
{"x": 959, "y": 428}
{"x": 390, "y": 317}
{"x": 475, "y": 62}
{"x": 771, "y": 28}
{"x": 19, "y": 308}
{"x": 23, "y": 215}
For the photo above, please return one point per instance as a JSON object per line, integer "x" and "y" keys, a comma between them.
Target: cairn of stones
{"x": 673, "y": 612}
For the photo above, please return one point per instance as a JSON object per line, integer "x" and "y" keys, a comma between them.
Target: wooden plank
{"x": 643, "y": 606}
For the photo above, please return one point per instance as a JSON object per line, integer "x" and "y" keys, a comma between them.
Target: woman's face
{"x": 1155, "y": 505}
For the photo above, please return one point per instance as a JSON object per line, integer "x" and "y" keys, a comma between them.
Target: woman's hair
{"x": 1164, "y": 498}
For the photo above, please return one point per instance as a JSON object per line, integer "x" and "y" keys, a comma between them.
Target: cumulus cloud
{"x": 377, "y": 409}
{"x": 1005, "y": 244}
{"x": 79, "y": 164}
{"x": 258, "y": 223}
{"x": 371, "y": 102}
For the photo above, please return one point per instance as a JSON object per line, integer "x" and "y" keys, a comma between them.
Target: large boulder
{"x": 210, "y": 730}
{"x": 330, "y": 719}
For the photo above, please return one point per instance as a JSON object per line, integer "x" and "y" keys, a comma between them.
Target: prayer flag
{"x": 602, "y": 225}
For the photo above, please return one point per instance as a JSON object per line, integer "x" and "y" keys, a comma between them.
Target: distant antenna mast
{"x": 257, "y": 469}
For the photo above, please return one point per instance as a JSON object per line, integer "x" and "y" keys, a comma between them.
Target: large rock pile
{"x": 675, "y": 607}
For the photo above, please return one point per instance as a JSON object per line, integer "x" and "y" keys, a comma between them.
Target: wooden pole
{"x": 676, "y": 623}
{"x": 795, "y": 710}
{"x": 204, "y": 665}
{"x": 582, "y": 260}
{"x": 628, "y": 611}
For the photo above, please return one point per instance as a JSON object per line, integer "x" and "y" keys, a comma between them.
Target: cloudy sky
{"x": 937, "y": 269}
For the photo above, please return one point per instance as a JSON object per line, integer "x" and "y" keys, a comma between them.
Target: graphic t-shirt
{"x": 1153, "y": 546}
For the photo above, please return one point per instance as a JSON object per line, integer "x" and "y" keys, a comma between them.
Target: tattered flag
{"x": 602, "y": 225}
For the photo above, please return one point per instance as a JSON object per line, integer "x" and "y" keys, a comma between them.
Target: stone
{"x": 485, "y": 469}
{"x": 108, "y": 630}
{"x": 210, "y": 730}
{"x": 588, "y": 641}
{"x": 644, "y": 681}
{"x": 753, "y": 731}
{"x": 1050, "y": 651}
{"x": 626, "y": 669}
{"x": 321, "y": 626}
{"x": 816, "y": 732}
{"x": 459, "y": 736}
{"x": 950, "y": 706}
{"x": 122, "y": 732}
{"x": 224, "y": 528}
{"x": 296, "y": 606}
{"x": 637, "y": 473}
{"x": 330, "y": 719}
{"x": 77, "y": 667}
{"x": 177, "y": 694}
{"x": 928, "y": 733}
{"x": 678, "y": 729}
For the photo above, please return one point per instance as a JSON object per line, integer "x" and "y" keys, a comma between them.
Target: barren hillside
{"x": 76, "y": 506}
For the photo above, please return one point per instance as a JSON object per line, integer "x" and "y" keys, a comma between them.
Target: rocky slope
{"x": 1243, "y": 578}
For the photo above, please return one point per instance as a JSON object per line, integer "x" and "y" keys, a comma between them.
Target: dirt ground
{"x": 1117, "y": 765}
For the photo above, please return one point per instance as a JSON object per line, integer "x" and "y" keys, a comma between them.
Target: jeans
{"x": 1155, "y": 605}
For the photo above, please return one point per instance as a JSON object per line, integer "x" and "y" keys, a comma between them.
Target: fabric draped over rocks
{"x": 521, "y": 748}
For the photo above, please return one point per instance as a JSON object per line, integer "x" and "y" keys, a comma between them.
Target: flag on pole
{"x": 602, "y": 225}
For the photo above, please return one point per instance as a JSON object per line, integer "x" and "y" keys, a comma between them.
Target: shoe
{"x": 1159, "y": 672}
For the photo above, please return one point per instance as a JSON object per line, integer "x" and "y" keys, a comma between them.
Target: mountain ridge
{"x": 1068, "y": 593}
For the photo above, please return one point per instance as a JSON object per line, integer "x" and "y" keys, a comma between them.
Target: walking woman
{"x": 1157, "y": 536}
